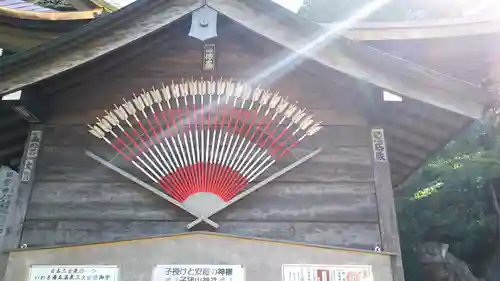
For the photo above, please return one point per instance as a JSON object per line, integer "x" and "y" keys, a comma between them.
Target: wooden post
{"x": 385, "y": 203}
{"x": 17, "y": 212}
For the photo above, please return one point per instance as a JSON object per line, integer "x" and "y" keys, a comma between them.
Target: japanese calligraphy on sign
{"x": 73, "y": 272}
{"x": 35, "y": 139}
{"x": 8, "y": 184}
{"x": 292, "y": 272}
{"x": 379, "y": 148}
{"x": 209, "y": 57}
{"x": 198, "y": 273}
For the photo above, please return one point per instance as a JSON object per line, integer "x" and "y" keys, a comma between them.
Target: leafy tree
{"x": 451, "y": 200}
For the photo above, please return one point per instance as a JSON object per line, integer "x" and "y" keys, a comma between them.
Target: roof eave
{"x": 352, "y": 58}
{"x": 296, "y": 34}
{"x": 156, "y": 19}
{"x": 52, "y": 16}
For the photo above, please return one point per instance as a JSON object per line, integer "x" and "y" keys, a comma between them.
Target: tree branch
{"x": 497, "y": 210}
{"x": 495, "y": 200}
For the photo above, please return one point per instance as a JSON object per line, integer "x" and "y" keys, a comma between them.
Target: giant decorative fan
{"x": 203, "y": 142}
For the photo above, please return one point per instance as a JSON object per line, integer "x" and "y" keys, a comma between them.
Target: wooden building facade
{"x": 341, "y": 198}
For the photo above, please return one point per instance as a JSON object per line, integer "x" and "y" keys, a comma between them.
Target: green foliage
{"x": 60, "y": 5}
{"x": 450, "y": 201}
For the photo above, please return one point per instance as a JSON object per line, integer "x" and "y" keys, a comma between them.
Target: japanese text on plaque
{"x": 198, "y": 273}
{"x": 44, "y": 273}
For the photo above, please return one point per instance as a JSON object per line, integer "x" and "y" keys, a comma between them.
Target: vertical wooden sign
{"x": 209, "y": 57}
{"x": 33, "y": 147}
{"x": 379, "y": 147}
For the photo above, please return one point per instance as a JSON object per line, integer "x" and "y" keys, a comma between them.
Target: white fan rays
{"x": 204, "y": 136}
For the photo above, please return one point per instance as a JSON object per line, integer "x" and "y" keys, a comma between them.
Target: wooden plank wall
{"x": 329, "y": 200}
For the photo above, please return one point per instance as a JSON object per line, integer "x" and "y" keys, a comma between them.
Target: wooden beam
{"x": 112, "y": 63}
{"x": 412, "y": 138}
{"x": 365, "y": 63}
{"x": 400, "y": 167}
{"x": 398, "y": 179}
{"x": 385, "y": 203}
{"x": 409, "y": 162}
{"x": 399, "y": 118}
{"x": 10, "y": 120}
{"x": 429, "y": 113}
{"x": 329, "y": 117}
{"x": 418, "y": 137}
{"x": 275, "y": 53}
{"x": 11, "y": 135}
{"x": 11, "y": 150}
{"x": 404, "y": 148}
{"x": 421, "y": 29}
{"x": 18, "y": 38}
{"x": 273, "y": 22}
{"x": 15, "y": 162}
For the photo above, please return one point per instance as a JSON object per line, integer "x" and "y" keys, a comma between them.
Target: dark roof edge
{"x": 269, "y": 20}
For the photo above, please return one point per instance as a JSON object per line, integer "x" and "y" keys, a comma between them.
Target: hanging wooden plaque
{"x": 209, "y": 57}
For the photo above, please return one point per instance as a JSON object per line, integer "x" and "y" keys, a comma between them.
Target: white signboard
{"x": 198, "y": 273}
{"x": 298, "y": 272}
{"x": 73, "y": 272}
{"x": 35, "y": 139}
{"x": 379, "y": 149}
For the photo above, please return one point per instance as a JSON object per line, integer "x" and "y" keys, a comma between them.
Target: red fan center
{"x": 203, "y": 177}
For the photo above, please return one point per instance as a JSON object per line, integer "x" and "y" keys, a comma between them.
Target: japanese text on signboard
{"x": 198, "y": 273}
{"x": 8, "y": 182}
{"x": 326, "y": 273}
{"x": 35, "y": 139}
{"x": 209, "y": 57}
{"x": 43, "y": 273}
{"x": 379, "y": 150}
